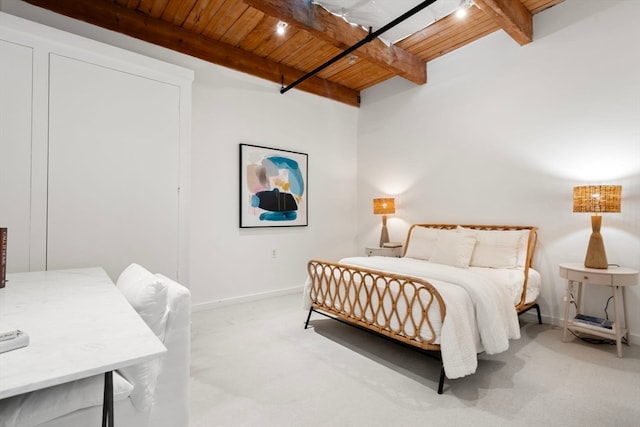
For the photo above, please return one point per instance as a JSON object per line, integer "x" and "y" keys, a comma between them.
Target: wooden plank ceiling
{"x": 240, "y": 34}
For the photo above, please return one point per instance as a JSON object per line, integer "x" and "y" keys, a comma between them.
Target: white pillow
{"x": 148, "y": 296}
{"x": 454, "y": 248}
{"x": 523, "y": 249}
{"x": 422, "y": 242}
{"x": 498, "y": 248}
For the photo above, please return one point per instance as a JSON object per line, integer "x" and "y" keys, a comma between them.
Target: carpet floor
{"x": 253, "y": 364}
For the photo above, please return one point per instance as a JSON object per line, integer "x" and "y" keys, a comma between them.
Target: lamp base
{"x": 384, "y": 234}
{"x": 596, "y": 256}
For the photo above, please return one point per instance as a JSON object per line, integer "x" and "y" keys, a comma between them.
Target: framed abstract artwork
{"x": 273, "y": 187}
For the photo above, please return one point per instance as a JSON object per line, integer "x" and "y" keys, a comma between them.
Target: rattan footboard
{"x": 354, "y": 294}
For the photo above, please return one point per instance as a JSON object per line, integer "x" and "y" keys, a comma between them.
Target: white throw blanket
{"x": 480, "y": 315}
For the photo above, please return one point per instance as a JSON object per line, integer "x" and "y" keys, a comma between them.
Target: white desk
{"x": 79, "y": 325}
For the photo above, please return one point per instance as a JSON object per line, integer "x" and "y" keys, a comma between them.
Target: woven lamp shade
{"x": 597, "y": 198}
{"x": 384, "y": 206}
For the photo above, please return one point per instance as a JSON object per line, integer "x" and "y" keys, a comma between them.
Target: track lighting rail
{"x": 368, "y": 38}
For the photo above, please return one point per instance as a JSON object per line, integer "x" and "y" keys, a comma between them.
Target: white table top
{"x": 613, "y": 270}
{"x": 79, "y": 325}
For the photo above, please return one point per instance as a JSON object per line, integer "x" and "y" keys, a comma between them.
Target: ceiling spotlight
{"x": 461, "y": 12}
{"x": 281, "y": 27}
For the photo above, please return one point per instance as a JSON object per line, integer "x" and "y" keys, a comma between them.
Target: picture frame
{"x": 273, "y": 187}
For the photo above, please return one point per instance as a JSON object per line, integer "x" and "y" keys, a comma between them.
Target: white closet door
{"x": 16, "y": 75}
{"x": 113, "y": 169}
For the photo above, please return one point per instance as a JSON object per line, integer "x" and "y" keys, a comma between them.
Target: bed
{"x": 457, "y": 290}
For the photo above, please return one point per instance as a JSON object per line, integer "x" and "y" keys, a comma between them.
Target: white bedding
{"x": 513, "y": 279}
{"x": 480, "y": 311}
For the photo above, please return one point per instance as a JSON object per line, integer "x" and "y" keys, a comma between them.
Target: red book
{"x": 3, "y": 256}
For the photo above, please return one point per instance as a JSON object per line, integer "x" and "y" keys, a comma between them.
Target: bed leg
{"x": 441, "y": 383}
{"x": 537, "y": 307}
{"x": 306, "y": 324}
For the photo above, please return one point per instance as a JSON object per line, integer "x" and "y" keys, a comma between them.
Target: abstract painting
{"x": 273, "y": 187}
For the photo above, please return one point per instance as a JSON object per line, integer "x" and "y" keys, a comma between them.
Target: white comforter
{"x": 480, "y": 314}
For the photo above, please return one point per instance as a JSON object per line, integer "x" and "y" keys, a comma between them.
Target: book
{"x": 20, "y": 340}
{"x": 585, "y": 320}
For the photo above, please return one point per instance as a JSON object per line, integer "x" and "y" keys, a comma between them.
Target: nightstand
{"x": 377, "y": 251}
{"x": 617, "y": 278}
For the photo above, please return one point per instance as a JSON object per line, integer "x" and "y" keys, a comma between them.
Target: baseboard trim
{"x": 247, "y": 298}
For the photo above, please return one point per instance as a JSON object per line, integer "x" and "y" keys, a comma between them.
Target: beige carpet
{"x": 254, "y": 364}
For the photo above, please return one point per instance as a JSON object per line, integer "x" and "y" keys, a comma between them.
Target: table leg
{"x": 567, "y": 303}
{"x": 624, "y": 314}
{"x": 618, "y": 325}
{"x": 107, "y": 402}
{"x": 579, "y": 298}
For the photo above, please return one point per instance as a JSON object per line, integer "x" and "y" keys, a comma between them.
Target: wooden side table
{"x": 377, "y": 251}
{"x": 615, "y": 277}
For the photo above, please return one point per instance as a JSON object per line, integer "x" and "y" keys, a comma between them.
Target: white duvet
{"x": 480, "y": 313}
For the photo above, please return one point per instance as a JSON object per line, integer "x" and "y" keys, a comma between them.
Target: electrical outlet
{"x": 274, "y": 253}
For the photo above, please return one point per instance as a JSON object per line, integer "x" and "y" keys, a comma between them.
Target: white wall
{"x": 501, "y": 134}
{"x": 229, "y": 108}
{"x": 227, "y": 262}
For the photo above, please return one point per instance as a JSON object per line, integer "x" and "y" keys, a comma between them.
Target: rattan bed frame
{"x": 333, "y": 299}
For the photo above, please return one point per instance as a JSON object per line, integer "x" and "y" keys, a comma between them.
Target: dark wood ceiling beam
{"x": 512, "y": 16}
{"x": 109, "y": 15}
{"x": 338, "y": 32}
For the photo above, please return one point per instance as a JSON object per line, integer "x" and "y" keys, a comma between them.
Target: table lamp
{"x": 384, "y": 207}
{"x": 596, "y": 199}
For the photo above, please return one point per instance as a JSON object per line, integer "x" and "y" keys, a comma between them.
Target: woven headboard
{"x": 530, "y": 242}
